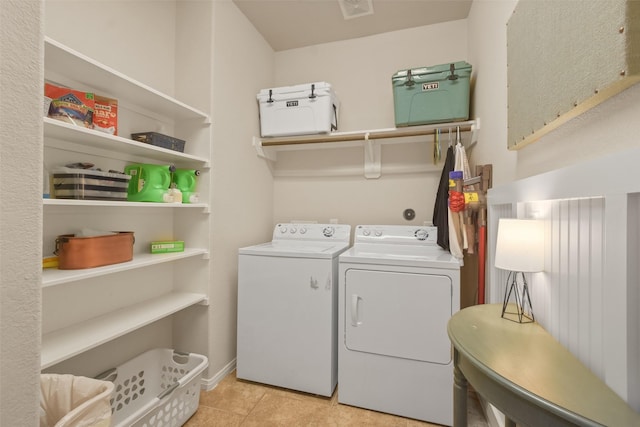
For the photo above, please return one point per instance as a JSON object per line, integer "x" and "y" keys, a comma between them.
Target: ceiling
{"x": 290, "y": 24}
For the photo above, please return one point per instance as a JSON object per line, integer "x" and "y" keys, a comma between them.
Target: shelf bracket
{"x": 257, "y": 143}
{"x": 475, "y": 127}
{"x": 372, "y": 158}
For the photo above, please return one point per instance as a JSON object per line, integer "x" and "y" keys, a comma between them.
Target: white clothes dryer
{"x": 397, "y": 291}
{"x": 288, "y": 308}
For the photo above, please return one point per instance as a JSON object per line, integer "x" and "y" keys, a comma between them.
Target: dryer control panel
{"x": 396, "y": 234}
{"x": 314, "y": 232}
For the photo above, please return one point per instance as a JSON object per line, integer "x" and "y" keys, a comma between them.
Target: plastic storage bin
{"x": 67, "y": 400}
{"x": 436, "y": 94}
{"x": 89, "y": 184}
{"x": 159, "y": 388}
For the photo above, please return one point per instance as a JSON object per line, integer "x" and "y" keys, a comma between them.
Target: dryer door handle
{"x": 354, "y": 310}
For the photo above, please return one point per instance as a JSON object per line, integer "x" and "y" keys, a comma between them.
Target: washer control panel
{"x": 304, "y": 231}
{"x": 396, "y": 234}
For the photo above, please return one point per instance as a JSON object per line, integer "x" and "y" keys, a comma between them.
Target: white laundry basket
{"x": 159, "y": 388}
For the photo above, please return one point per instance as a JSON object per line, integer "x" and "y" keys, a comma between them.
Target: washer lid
{"x": 403, "y": 255}
{"x": 296, "y": 249}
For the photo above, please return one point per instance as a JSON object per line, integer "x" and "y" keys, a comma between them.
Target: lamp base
{"x": 522, "y": 314}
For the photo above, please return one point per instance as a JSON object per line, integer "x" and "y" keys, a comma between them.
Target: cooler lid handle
{"x": 452, "y": 69}
{"x": 409, "y": 81}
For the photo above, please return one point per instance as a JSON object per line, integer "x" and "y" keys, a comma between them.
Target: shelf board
{"x": 123, "y": 204}
{"x": 370, "y": 140}
{"x": 63, "y": 60}
{"x": 53, "y": 276}
{"x": 68, "y": 342}
{"x": 367, "y": 135}
{"x": 56, "y": 130}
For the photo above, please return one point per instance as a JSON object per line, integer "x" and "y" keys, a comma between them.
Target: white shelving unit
{"x": 182, "y": 283}
{"x": 370, "y": 140}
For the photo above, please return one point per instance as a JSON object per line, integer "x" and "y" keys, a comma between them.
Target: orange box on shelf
{"x": 70, "y": 106}
{"x": 105, "y": 115}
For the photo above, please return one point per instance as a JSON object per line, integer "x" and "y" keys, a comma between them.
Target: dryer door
{"x": 398, "y": 314}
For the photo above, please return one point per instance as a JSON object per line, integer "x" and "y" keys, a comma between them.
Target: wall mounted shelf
{"x": 62, "y": 60}
{"x": 64, "y": 135}
{"x": 65, "y": 343}
{"x": 53, "y": 277}
{"x": 124, "y": 204}
{"x": 370, "y": 140}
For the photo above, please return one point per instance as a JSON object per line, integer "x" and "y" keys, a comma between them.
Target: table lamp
{"x": 519, "y": 249}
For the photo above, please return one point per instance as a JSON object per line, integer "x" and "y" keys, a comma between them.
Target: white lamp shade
{"x": 520, "y": 245}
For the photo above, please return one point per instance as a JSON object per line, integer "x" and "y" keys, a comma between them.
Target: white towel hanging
{"x": 461, "y": 164}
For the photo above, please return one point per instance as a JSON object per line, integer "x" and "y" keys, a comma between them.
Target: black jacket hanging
{"x": 441, "y": 207}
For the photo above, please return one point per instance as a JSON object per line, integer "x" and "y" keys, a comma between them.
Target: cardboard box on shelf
{"x": 161, "y": 247}
{"x": 70, "y": 106}
{"x": 159, "y": 140}
{"x": 105, "y": 115}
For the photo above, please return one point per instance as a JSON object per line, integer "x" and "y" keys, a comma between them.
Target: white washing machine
{"x": 397, "y": 291}
{"x": 288, "y": 308}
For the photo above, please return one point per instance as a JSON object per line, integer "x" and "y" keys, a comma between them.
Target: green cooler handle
{"x": 453, "y": 75}
{"x": 409, "y": 81}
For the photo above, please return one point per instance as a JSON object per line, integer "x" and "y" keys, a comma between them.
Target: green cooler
{"x": 437, "y": 94}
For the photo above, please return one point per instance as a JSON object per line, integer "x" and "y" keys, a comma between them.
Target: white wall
{"x": 611, "y": 126}
{"x": 488, "y": 53}
{"x": 242, "y": 184}
{"x": 134, "y": 37}
{"x": 20, "y": 210}
{"x": 360, "y": 71}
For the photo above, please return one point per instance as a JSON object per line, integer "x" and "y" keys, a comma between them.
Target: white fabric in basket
{"x": 74, "y": 401}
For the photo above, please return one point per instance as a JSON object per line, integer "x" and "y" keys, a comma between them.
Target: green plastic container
{"x": 186, "y": 180}
{"x": 148, "y": 182}
{"x": 436, "y": 94}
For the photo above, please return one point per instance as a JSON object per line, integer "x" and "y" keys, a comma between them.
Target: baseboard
{"x": 211, "y": 383}
{"x": 495, "y": 418}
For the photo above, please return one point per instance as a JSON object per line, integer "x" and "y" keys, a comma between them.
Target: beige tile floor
{"x": 237, "y": 402}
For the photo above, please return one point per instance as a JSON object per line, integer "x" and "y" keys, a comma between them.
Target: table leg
{"x": 459, "y": 394}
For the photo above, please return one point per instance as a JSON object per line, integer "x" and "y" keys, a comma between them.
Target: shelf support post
{"x": 475, "y": 127}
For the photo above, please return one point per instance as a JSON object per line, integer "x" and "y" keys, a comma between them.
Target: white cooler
{"x": 304, "y": 109}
